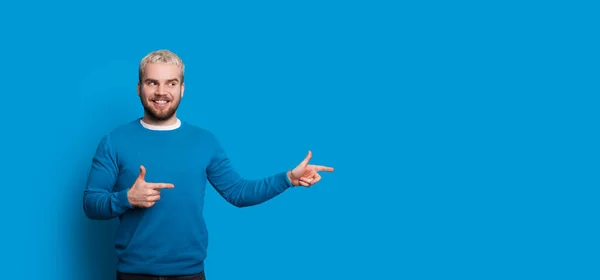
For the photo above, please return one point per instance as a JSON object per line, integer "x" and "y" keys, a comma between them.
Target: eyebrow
{"x": 170, "y": 80}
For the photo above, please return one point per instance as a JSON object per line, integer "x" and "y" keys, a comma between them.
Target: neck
{"x": 161, "y": 125}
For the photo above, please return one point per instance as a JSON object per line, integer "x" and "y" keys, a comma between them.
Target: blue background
{"x": 464, "y": 135}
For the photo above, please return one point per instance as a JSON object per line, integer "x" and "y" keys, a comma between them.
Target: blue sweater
{"x": 170, "y": 238}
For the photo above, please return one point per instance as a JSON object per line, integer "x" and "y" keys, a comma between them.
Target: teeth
{"x": 161, "y": 101}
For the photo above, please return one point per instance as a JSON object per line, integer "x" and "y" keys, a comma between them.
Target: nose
{"x": 160, "y": 90}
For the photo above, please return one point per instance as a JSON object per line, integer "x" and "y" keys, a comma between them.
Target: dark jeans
{"x": 129, "y": 276}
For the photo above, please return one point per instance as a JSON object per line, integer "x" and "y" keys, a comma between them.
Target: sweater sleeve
{"x": 100, "y": 202}
{"x": 237, "y": 190}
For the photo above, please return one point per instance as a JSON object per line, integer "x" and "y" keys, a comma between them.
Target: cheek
{"x": 176, "y": 95}
{"x": 145, "y": 93}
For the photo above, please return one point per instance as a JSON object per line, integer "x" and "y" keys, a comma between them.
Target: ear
{"x": 139, "y": 89}
{"x": 182, "y": 89}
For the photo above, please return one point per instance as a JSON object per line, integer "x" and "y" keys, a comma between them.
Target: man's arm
{"x": 99, "y": 200}
{"x": 237, "y": 190}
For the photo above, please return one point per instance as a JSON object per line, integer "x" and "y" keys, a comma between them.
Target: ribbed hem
{"x": 121, "y": 202}
{"x": 160, "y": 269}
{"x": 286, "y": 181}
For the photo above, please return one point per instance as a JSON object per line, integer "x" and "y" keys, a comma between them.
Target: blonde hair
{"x": 161, "y": 56}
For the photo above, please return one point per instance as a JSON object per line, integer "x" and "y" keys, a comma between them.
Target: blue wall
{"x": 464, "y": 136}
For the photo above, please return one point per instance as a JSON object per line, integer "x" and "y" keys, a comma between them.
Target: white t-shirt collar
{"x": 176, "y": 125}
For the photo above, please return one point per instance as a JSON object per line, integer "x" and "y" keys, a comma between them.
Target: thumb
{"x": 142, "y": 175}
{"x": 306, "y": 159}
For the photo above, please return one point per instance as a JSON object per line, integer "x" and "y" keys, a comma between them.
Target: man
{"x": 151, "y": 173}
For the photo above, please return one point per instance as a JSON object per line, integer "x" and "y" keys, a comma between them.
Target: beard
{"x": 159, "y": 114}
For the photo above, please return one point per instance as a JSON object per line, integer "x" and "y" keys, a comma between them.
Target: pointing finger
{"x": 324, "y": 168}
{"x": 160, "y": 186}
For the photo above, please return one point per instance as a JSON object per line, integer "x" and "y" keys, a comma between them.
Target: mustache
{"x": 160, "y": 98}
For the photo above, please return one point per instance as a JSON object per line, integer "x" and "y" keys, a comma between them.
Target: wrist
{"x": 289, "y": 177}
{"x": 129, "y": 197}
{"x": 123, "y": 199}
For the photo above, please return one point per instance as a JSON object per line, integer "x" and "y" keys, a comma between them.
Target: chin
{"x": 161, "y": 115}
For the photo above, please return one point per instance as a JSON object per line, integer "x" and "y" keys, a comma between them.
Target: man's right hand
{"x": 143, "y": 194}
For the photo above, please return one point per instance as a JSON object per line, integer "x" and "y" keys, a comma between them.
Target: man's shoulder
{"x": 126, "y": 128}
{"x": 197, "y": 130}
{"x": 123, "y": 130}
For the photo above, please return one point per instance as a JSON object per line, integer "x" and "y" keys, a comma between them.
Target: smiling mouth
{"x": 160, "y": 103}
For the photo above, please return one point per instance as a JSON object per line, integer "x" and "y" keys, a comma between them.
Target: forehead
{"x": 161, "y": 71}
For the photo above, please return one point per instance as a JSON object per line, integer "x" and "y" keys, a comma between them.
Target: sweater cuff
{"x": 121, "y": 202}
{"x": 287, "y": 183}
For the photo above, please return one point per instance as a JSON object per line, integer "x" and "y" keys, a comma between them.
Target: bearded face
{"x": 160, "y": 92}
